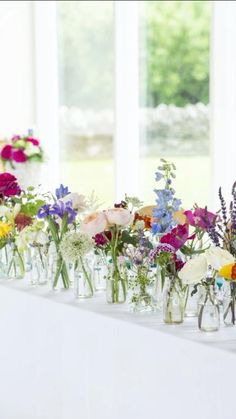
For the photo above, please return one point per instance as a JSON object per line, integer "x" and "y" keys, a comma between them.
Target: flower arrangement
{"x": 22, "y": 149}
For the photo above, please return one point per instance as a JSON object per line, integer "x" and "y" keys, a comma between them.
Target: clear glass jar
{"x": 59, "y": 279}
{"x": 191, "y": 301}
{"x": 100, "y": 273}
{"x": 83, "y": 287}
{"x": 229, "y": 301}
{"x": 209, "y": 311}
{"x": 39, "y": 266}
{"x": 15, "y": 268}
{"x": 140, "y": 288}
{"x": 158, "y": 289}
{"x": 5, "y": 254}
{"x": 173, "y": 302}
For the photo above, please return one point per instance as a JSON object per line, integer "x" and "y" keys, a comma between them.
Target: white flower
{"x": 78, "y": 201}
{"x": 119, "y": 216}
{"x": 217, "y": 257}
{"x": 75, "y": 245}
{"x": 93, "y": 224}
{"x": 194, "y": 270}
{"x": 9, "y": 213}
{"x": 31, "y": 149}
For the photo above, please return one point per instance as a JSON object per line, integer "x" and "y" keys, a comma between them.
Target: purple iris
{"x": 62, "y": 191}
{"x": 43, "y": 211}
{"x": 61, "y": 208}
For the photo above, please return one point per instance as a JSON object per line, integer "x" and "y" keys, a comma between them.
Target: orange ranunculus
{"x": 228, "y": 271}
{"x": 147, "y": 220}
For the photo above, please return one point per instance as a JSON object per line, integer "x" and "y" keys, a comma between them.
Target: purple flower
{"x": 43, "y": 211}
{"x": 161, "y": 248}
{"x": 61, "y": 208}
{"x": 62, "y": 191}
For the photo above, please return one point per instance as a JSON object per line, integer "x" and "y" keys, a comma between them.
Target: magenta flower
{"x": 6, "y": 152}
{"x": 200, "y": 217}
{"x": 19, "y": 156}
{"x": 177, "y": 237}
{"x": 32, "y": 140}
{"x": 8, "y": 185}
{"x": 100, "y": 239}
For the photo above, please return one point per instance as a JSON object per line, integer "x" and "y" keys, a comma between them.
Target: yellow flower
{"x": 5, "y": 229}
{"x": 228, "y": 271}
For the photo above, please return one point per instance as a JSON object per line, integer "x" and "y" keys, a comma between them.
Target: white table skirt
{"x": 62, "y": 358}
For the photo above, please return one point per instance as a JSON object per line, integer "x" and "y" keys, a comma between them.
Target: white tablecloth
{"x": 62, "y": 358}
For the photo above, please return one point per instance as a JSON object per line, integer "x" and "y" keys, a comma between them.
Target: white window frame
{"x": 126, "y": 106}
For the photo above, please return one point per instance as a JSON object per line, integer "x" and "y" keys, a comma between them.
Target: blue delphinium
{"x": 62, "y": 191}
{"x": 166, "y": 202}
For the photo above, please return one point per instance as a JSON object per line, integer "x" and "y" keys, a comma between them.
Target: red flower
{"x": 177, "y": 237}
{"x": 22, "y": 221}
{"x": 6, "y": 152}
{"x": 32, "y": 140}
{"x": 99, "y": 239}
{"x": 19, "y": 156}
{"x": 8, "y": 185}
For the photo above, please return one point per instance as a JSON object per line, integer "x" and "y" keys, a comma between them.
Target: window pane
{"x": 85, "y": 45}
{"x": 174, "y": 95}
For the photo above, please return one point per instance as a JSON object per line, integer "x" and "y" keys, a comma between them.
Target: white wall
{"x": 17, "y": 108}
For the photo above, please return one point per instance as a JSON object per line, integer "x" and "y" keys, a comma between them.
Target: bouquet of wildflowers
{"x": 22, "y": 149}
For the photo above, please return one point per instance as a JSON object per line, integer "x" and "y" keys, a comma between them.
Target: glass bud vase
{"x": 116, "y": 285}
{"x": 15, "y": 269}
{"x": 39, "y": 269}
{"x": 173, "y": 302}
{"x": 158, "y": 289}
{"x": 209, "y": 312}
{"x": 229, "y": 301}
{"x": 191, "y": 302}
{"x": 100, "y": 273}
{"x": 141, "y": 293}
{"x": 83, "y": 287}
{"x": 59, "y": 277}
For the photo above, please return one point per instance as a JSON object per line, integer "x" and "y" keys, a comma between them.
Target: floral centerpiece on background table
{"x": 23, "y": 156}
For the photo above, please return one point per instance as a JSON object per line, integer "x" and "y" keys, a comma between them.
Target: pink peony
{"x": 19, "y": 156}
{"x": 8, "y": 185}
{"x": 177, "y": 237}
{"x": 200, "y": 217}
{"x": 119, "y": 216}
{"x": 6, "y": 152}
{"x": 93, "y": 224}
{"x": 32, "y": 140}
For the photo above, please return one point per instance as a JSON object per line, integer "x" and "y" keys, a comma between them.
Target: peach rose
{"x": 93, "y": 224}
{"x": 119, "y": 216}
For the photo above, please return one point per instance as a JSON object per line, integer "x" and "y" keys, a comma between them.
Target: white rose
{"x": 217, "y": 257}
{"x": 93, "y": 224}
{"x": 194, "y": 270}
{"x": 78, "y": 201}
{"x": 119, "y": 216}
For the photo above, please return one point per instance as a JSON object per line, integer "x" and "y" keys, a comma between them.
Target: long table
{"x": 61, "y": 358}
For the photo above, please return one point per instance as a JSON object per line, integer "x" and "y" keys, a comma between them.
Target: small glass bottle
{"x": 173, "y": 302}
{"x": 229, "y": 301}
{"x": 83, "y": 287}
{"x": 100, "y": 273}
{"x": 191, "y": 302}
{"x": 39, "y": 266}
{"x": 209, "y": 311}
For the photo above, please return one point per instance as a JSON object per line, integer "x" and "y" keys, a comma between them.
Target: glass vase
{"x": 191, "y": 302}
{"x": 116, "y": 285}
{"x": 229, "y": 304}
{"x": 15, "y": 268}
{"x": 4, "y": 260}
{"x": 158, "y": 289}
{"x": 173, "y": 302}
{"x": 209, "y": 312}
{"x": 59, "y": 277}
{"x": 141, "y": 293}
{"x": 100, "y": 273}
{"x": 39, "y": 269}
{"x": 83, "y": 287}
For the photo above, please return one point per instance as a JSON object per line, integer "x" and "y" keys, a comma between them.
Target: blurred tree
{"x": 174, "y": 59}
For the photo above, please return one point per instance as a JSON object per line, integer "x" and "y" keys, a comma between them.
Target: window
{"x": 174, "y": 95}
{"x": 86, "y": 62}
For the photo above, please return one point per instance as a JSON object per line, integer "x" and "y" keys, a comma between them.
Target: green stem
{"x": 88, "y": 279}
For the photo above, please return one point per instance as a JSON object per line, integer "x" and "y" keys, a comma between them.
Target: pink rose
{"x": 19, "y": 156}
{"x": 8, "y": 185}
{"x": 6, "y": 152}
{"x": 32, "y": 140}
{"x": 119, "y": 216}
{"x": 93, "y": 224}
